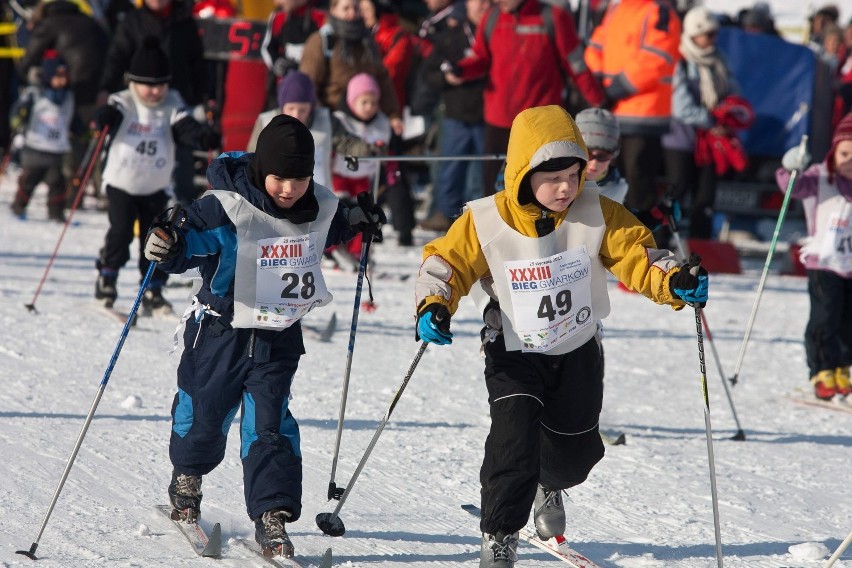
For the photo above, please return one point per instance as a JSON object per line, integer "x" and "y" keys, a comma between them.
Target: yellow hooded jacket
{"x": 452, "y": 264}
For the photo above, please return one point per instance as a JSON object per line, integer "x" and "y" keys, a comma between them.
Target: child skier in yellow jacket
{"x": 534, "y": 257}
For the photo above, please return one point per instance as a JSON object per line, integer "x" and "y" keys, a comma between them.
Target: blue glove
{"x": 691, "y": 283}
{"x": 433, "y": 325}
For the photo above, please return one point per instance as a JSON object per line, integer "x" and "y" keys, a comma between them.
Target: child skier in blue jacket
{"x": 257, "y": 239}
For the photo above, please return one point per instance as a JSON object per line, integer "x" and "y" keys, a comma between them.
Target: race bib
{"x": 836, "y": 247}
{"x": 551, "y": 298}
{"x": 289, "y": 280}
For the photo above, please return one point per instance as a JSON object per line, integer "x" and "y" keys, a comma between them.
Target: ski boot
{"x": 153, "y": 303}
{"x": 842, "y": 382}
{"x": 824, "y": 383}
{"x": 549, "y": 513}
{"x": 498, "y": 550}
{"x": 105, "y": 287}
{"x": 185, "y": 496}
{"x": 271, "y": 535}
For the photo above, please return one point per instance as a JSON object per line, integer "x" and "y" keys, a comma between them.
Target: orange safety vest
{"x": 633, "y": 52}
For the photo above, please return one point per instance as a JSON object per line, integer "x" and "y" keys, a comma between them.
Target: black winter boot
{"x": 185, "y": 496}
{"x": 271, "y": 535}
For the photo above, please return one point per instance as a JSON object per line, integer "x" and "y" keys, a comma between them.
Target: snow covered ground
{"x": 783, "y": 493}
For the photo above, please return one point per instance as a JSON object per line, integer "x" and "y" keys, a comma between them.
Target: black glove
{"x": 107, "y": 115}
{"x": 161, "y": 243}
{"x": 691, "y": 282}
{"x": 209, "y": 139}
{"x": 433, "y": 325}
{"x": 367, "y": 217}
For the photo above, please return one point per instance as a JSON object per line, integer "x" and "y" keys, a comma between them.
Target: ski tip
{"x": 326, "y": 559}
{"x": 214, "y": 543}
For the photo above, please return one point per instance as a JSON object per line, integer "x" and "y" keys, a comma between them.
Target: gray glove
{"x": 161, "y": 244}
{"x": 796, "y": 158}
{"x": 282, "y": 65}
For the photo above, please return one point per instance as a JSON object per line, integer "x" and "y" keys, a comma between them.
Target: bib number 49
{"x": 547, "y": 310}
{"x": 308, "y": 287}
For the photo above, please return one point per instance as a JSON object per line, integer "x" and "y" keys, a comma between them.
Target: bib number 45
{"x": 547, "y": 310}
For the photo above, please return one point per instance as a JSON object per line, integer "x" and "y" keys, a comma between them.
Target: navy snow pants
{"x": 544, "y": 428}
{"x": 225, "y": 369}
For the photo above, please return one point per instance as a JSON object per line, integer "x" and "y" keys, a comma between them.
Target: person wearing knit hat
{"x": 702, "y": 80}
{"x": 146, "y": 123}
{"x": 360, "y": 116}
{"x": 536, "y": 266}
{"x": 362, "y": 96}
{"x": 44, "y": 117}
{"x": 256, "y": 238}
{"x": 149, "y": 64}
{"x": 825, "y": 190}
{"x": 600, "y": 131}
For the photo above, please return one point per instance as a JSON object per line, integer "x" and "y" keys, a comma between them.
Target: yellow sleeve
{"x": 452, "y": 264}
{"x": 629, "y": 251}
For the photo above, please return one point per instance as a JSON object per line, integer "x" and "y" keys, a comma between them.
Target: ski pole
{"x": 681, "y": 250}
{"x": 803, "y": 148}
{"x": 330, "y": 523}
{"x": 128, "y": 324}
{"x": 840, "y": 549}
{"x": 365, "y": 202}
{"x": 694, "y": 262}
{"x": 335, "y": 492}
{"x": 89, "y": 161}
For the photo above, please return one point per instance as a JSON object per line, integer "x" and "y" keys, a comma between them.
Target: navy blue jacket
{"x": 207, "y": 239}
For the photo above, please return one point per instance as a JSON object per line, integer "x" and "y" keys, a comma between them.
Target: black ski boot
{"x": 154, "y": 304}
{"x": 271, "y": 535}
{"x": 185, "y": 495}
{"x": 105, "y": 287}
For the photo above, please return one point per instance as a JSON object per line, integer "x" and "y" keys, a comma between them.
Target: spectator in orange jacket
{"x": 634, "y": 52}
{"x": 525, "y": 48}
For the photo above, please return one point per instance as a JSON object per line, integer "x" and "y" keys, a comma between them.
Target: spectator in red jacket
{"x": 393, "y": 40}
{"x": 525, "y": 48}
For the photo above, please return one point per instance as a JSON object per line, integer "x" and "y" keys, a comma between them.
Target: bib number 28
{"x": 547, "y": 310}
{"x": 306, "y": 286}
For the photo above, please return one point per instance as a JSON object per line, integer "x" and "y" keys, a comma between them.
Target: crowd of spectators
{"x": 465, "y": 67}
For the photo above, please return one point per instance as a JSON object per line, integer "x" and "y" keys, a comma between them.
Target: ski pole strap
{"x": 198, "y": 311}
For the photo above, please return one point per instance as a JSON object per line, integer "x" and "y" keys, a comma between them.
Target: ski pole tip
{"x": 739, "y": 436}
{"x": 29, "y": 553}
{"x": 330, "y": 524}
{"x": 31, "y": 308}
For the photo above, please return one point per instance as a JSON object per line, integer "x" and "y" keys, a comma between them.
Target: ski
{"x": 556, "y": 546}
{"x": 112, "y": 313}
{"x": 280, "y": 561}
{"x": 837, "y": 404}
{"x": 613, "y": 437}
{"x": 208, "y": 546}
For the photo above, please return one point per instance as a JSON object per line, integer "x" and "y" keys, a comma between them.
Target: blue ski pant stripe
{"x": 216, "y": 378}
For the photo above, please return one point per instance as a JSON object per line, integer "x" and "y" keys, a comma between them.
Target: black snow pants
{"x": 828, "y": 335}
{"x": 544, "y": 428}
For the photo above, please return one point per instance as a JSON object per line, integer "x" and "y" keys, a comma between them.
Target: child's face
{"x": 299, "y": 111}
{"x": 60, "y": 79}
{"x": 345, "y": 10}
{"x": 598, "y": 164}
{"x": 286, "y": 191}
{"x": 366, "y": 106}
{"x": 843, "y": 159}
{"x": 556, "y": 190}
{"x": 151, "y": 95}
